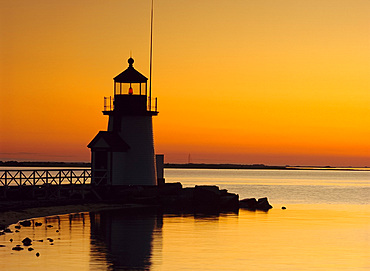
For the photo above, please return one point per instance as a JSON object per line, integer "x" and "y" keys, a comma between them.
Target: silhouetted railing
{"x": 152, "y": 104}
{"x": 108, "y": 103}
{"x": 44, "y": 177}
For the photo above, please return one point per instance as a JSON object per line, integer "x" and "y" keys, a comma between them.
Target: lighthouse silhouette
{"x": 124, "y": 154}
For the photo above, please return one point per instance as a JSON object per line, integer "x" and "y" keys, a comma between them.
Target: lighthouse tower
{"x": 124, "y": 154}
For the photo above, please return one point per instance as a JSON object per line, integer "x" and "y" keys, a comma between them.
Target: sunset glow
{"x": 272, "y": 82}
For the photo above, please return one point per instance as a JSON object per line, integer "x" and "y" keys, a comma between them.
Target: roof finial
{"x": 130, "y": 61}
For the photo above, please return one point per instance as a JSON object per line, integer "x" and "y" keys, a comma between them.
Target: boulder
{"x": 253, "y": 204}
{"x": 17, "y": 248}
{"x": 25, "y": 223}
{"x": 263, "y": 204}
{"x": 207, "y": 196}
{"x": 27, "y": 241}
{"x": 170, "y": 189}
{"x": 229, "y": 201}
{"x": 250, "y": 203}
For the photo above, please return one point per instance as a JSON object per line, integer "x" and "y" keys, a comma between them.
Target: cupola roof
{"x": 130, "y": 75}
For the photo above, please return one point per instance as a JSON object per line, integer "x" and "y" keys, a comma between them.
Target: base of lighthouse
{"x": 124, "y": 155}
{"x": 137, "y": 164}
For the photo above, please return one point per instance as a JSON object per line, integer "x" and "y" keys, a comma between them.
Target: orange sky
{"x": 273, "y": 82}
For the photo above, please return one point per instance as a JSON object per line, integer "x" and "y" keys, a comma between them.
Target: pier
{"x": 48, "y": 187}
{"x": 30, "y": 184}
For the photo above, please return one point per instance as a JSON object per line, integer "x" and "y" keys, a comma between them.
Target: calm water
{"x": 326, "y": 227}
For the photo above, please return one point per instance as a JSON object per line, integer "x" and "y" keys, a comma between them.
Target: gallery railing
{"x": 152, "y": 104}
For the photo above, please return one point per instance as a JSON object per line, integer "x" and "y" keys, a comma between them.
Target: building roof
{"x": 108, "y": 140}
{"x": 130, "y": 75}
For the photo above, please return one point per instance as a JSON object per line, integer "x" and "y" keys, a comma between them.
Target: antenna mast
{"x": 151, "y": 59}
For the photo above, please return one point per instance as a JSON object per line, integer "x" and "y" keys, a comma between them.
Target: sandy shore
{"x": 11, "y": 217}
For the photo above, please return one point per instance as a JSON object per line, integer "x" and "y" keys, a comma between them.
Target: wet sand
{"x": 11, "y": 217}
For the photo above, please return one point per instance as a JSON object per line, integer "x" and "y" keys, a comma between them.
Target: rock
{"x": 37, "y": 224}
{"x": 37, "y": 254}
{"x": 39, "y": 240}
{"x": 50, "y": 240}
{"x": 283, "y": 207}
{"x": 170, "y": 189}
{"x": 2, "y": 233}
{"x": 27, "y": 241}
{"x": 207, "y": 196}
{"x": 17, "y": 248}
{"x": 253, "y": 204}
{"x": 17, "y": 227}
{"x": 30, "y": 249}
{"x": 229, "y": 201}
{"x": 49, "y": 226}
{"x": 57, "y": 231}
{"x": 250, "y": 203}
{"x": 2, "y": 245}
{"x": 16, "y": 230}
{"x": 7, "y": 230}
{"x": 11, "y": 240}
{"x": 263, "y": 204}
{"x": 25, "y": 223}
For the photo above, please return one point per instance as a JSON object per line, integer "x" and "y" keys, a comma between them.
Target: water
{"x": 283, "y": 186}
{"x": 326, "y": 226}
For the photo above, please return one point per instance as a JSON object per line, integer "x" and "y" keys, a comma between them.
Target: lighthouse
{"x": 124, "y": 154}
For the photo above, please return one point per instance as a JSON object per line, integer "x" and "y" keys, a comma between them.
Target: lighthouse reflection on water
{"x": 126, "y": 239}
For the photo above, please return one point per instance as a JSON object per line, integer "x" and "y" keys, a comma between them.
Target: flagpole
{"x": 151, "y": 59}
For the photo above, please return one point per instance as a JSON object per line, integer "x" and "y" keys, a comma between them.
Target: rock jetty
{"x": 174, "y": 197}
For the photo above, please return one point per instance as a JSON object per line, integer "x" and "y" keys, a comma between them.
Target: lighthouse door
{"x": 101, "y": 168}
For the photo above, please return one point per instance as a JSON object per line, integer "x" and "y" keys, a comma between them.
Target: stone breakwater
{"x": 174, "y": 197}
{"x": 170, "y": 197}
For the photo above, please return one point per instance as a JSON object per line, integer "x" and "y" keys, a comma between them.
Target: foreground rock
{"x": 253, "y": 204}
{"x": 25, "y": 223}
{"x": 17, "y": 248}
{"x": 27, "y": 241}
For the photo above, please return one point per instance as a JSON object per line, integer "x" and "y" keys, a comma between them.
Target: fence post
{"x": 33, "y": 184}
{"x": 6, "y": 183}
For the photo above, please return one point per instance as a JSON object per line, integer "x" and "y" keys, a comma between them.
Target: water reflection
{"x": 301, "y": 238}
{"x": 125, "y": 238}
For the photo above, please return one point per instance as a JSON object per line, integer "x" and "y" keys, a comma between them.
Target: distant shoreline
{"x": 180, "y": 166}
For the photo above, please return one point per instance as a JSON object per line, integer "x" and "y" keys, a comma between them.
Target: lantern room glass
{"x": 124, "y": 88}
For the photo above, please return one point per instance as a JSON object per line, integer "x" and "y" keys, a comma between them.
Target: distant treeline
{"x": 223, "y": 166}
{"x": 167, "y": 165}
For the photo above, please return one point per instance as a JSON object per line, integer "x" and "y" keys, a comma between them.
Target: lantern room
{"x": 131, "y": 94}
{"x": 130, "y": 82}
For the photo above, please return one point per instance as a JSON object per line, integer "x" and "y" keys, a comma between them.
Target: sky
{"x": 238, "y": 81}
